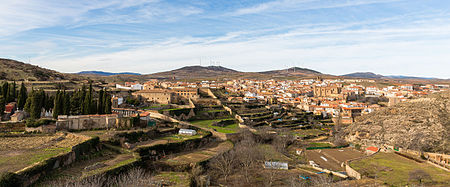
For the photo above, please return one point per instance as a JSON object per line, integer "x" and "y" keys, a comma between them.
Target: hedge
{"x": 38, "y": 123}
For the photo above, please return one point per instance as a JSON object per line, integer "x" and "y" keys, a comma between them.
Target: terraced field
{"x": 394, "y": 170}
{"x": 17, "y": 153}
{"x": 199, "y": 155}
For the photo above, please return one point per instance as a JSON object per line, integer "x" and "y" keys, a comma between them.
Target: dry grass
{"x": 19, "y": 152}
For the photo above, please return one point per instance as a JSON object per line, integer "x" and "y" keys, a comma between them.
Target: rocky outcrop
{"x": 420, "y": 124}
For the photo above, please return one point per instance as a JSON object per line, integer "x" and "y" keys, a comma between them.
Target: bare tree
{"x": 248, "y": 156}
{"x": 224, "y": 163}
{"x": 419, "y": 175}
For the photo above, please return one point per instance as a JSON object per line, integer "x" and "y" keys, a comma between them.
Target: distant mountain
{"x": 370, "y": 75}
{"x": 294, "y": 71}
{"x": 197, "y": 72}
{"x": 15, "y": 70}
{"x": 406, "y": 77}
{"x": 367, "y": 75}
{"x": 193, "y": 72}
{"x": 102, "y": 73}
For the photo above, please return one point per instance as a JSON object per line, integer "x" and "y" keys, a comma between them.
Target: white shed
{"x": 189, "y": 132}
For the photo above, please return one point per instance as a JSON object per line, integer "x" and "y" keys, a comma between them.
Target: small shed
{"x": 275, "y": 165}
{"x": 189, "y": 132}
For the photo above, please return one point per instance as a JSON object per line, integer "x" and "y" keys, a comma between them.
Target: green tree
{"x": 66, "y": 104}
{"x": 2, "y": 105}
{"x": 57, "y": 105}
{"x": 108, "y": 103}
{"x": 101, "y": 99}
{"x": 5, "y": 90}
{"x": 36, "y": 104}
{"x": 76, "y": 102}
{"x": 82, "y": 98}
{"x": 23, "y": 95}
{"x": 14, "y": 91}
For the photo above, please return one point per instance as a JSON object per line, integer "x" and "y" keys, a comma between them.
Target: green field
{"x": 233, "y": 128}
{"x": 173, "y": 178}
{"x": 17, "y": 153}
{"x": 394, "y": 170}
{"x": 270, "y": 153}
{"x": 320, "y": 144}
{"x": 308, "y": 132}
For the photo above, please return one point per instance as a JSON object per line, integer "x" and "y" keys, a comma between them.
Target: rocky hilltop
{"x": 420, "y": 124}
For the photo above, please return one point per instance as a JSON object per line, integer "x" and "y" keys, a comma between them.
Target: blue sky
{"x": 390, "y": 37}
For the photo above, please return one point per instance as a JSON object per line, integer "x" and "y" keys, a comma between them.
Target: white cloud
{"x": 298, "y": 5}
{"x": 351, "y": 51}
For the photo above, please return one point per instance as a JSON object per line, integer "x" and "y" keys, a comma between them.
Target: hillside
{"x": 102, "y": 73}
{"x": 294, "y": 71}
{"x": 368, "y": 75}
{"x": 15, "y": 70}
{"x": 197, "y": 72}
{"x": 193, "y": 72}
{"x": 419, "y": 124}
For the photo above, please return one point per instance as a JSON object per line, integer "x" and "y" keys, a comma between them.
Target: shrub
{"x": 9, "y": 179}
{"x": 38, "y": 123}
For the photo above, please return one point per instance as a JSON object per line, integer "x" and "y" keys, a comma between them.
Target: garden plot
{"x": 395, "y": 170}
{"x": 199, "y": 155}
{"x": 17, "y": 153}
{"x": 332, "y": 158}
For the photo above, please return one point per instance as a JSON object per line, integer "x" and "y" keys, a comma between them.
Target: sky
{"x": 389, "y": 37}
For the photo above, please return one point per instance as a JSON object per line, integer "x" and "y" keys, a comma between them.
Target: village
{"x": 203, "y": 133}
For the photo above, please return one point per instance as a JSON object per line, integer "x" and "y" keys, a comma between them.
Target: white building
{"x": 189, "y": 132}
{"x": 275, "y": 165}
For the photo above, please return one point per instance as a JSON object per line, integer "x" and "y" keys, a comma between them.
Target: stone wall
{"x": 12, "y": 126}
{"x": 351, "y": 172}
{"x": 31, "y": 174}
{"x": 86, "y": 122}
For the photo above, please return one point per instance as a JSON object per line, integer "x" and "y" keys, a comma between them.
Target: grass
{"x": 175, "y": 178}
{"x": 308, "y": 132}
{"x": 114, "y": 166}
{"x": 17, "y": 153}
{"x": 200, "y": 155}
{"x": 270, "y": 153}
{"x": 177, "y": 137}
{"x": 233, "y": 128}
{"x": 320, "y": 144}
{"x": 394, "y": 169}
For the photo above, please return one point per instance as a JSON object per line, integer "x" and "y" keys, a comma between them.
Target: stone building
{"x": 167, "y": 96}
{"x": 327, "y": 91}
{"x": 84, "y": 122}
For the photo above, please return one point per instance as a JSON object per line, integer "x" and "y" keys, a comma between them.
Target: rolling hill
{"x": 102, "y": 73}
{"x": 368, "y": 75}
{"x": 17, "y": 71}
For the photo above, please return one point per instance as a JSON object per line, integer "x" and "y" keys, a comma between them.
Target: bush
{"x": 9, "y": 179}
{"x": 38, "y": 123}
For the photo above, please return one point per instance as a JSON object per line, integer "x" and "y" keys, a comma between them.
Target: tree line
{"x": 82, "y": 101}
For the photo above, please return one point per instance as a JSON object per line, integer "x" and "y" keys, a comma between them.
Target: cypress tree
{"x": 66, "y": 103}
{"x": 22, "y": 96}
{"x": 29, "y": 101}
{"x": 56, "y": 105}
{"x": 82, "y": 98}
{"x": 5, "y": 91}
{"x": 108, "y": 103}
{"x": 13, "y": 91}
{"x": 36, "y": 105}
{"x": 2, "y": 105}
{"x": 101, "y": 99}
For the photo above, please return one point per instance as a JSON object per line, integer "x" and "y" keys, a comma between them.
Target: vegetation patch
{"x": 399, "y": 171}
{"x": 232, "y": 128}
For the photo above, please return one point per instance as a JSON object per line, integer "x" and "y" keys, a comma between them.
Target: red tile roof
{"x": 371, "y": 148}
